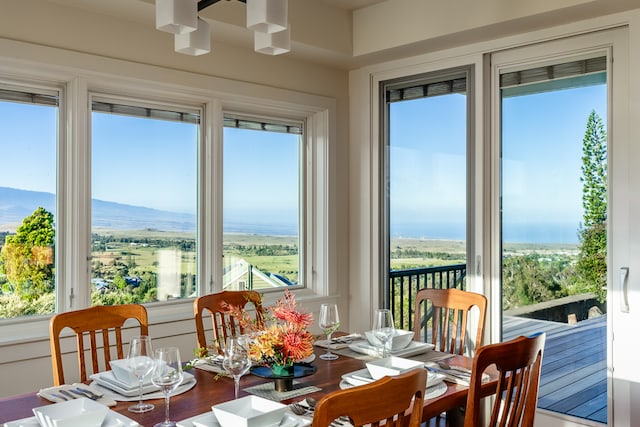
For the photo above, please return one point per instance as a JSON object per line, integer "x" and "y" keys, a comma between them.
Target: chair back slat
{"x": 390, "y": 401}
{"x": 105, "y": 321}
{"x": 518, "y": 363}
{"x": 449, "y": 310}
{"x": 223, "y": 325}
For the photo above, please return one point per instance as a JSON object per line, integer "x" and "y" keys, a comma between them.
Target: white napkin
{"x": 456, "y": 374}
{"x": 339, "y": 342}
{"x": 54, "y": 394}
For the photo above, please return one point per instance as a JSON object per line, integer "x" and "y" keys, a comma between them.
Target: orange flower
{"x": 286, "y": 340}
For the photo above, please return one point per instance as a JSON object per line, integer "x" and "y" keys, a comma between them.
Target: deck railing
{"x": 404, "y": 284}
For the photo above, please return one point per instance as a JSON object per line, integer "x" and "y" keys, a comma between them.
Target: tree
{"x": 27, "y": 256}
{"x": 591, "y": 267}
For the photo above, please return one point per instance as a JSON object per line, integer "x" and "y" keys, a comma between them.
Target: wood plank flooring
{"x": 574, "y": 376}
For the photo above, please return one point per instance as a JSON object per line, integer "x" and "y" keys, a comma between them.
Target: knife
{"x": 67, "y": 394}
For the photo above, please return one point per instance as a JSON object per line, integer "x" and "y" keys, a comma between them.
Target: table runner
{"x": 268, "y": 391}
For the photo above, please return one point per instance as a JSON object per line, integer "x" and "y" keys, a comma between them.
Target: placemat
{"x": 268, "y": 391}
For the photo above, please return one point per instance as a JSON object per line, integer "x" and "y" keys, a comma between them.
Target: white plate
{"x": 113, "y": 419}
{"x": 362, "y": 376}
{"x": 359, "y": 377}
{"x": 431, "y": 392}
{"x": 416, "y": 347}
{"x": 209, "y": 420}
{"x": 107, "y": 380}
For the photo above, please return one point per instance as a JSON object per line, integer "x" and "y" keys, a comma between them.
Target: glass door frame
{"x": 556, "y": 51}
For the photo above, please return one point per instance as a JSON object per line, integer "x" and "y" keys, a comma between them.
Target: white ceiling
{"x": 323, "y": 32}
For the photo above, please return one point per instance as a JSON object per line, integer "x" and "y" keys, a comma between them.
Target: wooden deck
{"x": 574, "y": 376}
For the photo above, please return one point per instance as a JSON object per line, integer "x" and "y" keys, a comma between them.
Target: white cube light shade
{"x": 197, "y": 42}
{"x": 177, "y": 16}
{"x": 267, "y": 16}
{"x": 272, "y": 44}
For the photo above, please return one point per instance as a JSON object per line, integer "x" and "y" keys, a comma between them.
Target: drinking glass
{"x": 383, "y": 328}
{"x": 329, "y": 322}
{"x": 140, "y": 362}
{"x": 167, "y": 374}
{"x": 236, "y": 358}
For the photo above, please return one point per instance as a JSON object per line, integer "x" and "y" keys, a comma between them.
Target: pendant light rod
{"x": 202, "y": 4}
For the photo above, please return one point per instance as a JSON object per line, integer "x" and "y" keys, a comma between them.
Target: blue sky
{"x": 136, "y": 164}
{"x": 542, "y": 148}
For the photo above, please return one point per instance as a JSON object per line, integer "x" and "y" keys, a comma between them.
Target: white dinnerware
{"x": 167, "y": 374}
{"x": 390, "y": 366}
{"x": 249, "y": 411}
{"x": 383, "y": 328}
{"x": 399, "y": 340}
{"x": 81, "y": 412}
{"x": 415, "y": 347}
{"x": 140, "y": 363}
{"x": 208, "y": 419}
{"x": 236, "y": 359}
{"x": 329, "y": 322}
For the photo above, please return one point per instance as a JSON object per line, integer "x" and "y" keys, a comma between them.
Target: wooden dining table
{"x": 212, "y": 389}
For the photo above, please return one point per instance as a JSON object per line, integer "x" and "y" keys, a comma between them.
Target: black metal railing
{"x": 404, "y": 284}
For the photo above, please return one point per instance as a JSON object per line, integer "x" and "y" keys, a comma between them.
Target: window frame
{"x": 304, "y": 176}
{"x": 168, "y": 87}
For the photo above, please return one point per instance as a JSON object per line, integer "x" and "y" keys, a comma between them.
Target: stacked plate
{"x": 415, "y": 347}
{"x": 209, "y": 419}
{"x": 108, "y": 380}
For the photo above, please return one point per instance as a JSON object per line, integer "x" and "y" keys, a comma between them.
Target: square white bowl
{"x": 124, "y": 373}
{"x": 249, "y": 411}
{"x": 391, "y": 366}
{"x": 399, "y": 340}
{"x": 81, "y": 412}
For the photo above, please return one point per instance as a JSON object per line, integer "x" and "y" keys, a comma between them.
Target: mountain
{"x": 16, "y": 204}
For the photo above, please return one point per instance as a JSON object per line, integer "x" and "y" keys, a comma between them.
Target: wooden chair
{"x": 449, "y": 312}
{"x": 518, "y": 362}
{"x": 384, "y": 401}
{"x": 223, "y": 325}
{"x": 100, "y": 321}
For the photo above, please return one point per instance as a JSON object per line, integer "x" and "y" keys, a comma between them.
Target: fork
{"x": 85, "y": 393}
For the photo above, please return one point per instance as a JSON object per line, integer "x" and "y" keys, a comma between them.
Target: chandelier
{"x": 192, "y": 35}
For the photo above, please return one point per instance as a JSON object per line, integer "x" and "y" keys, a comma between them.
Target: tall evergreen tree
{"x": 591, "y": 268}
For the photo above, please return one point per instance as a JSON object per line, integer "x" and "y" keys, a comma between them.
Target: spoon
{"x": 311, "y": 402}
{"x": 298, "y": 409}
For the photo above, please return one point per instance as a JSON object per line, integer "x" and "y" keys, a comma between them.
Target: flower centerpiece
{"x": 284, "y": 339}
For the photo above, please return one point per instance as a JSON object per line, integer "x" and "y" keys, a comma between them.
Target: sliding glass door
{"x": 555, "y": 145}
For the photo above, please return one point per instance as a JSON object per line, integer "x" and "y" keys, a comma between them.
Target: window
{"x": 135, "y": 190}
{"x": 28, "y": 143}
{"x": 426, "y": 186}
{"x": 262, "y": 204}
{"x": 144, "y": 180}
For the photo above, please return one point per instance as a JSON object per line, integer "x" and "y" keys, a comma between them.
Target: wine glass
{"x": 236, "y": 358}
{"x": 167, "y": 374}
{"x": 140, "y": 362}
{"x": 383, "y": 328}
{"x": 329, "y": 322}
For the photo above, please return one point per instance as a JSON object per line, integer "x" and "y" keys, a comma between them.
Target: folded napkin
{"x": 339, "y": 342}
{"x": 454, "y": 374}
{"x": 73, "y": 391}
{"x": 211, "y": 364}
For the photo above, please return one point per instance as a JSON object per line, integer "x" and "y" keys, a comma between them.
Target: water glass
{"x": 329, "y": 322}
{"x": 236, "y": 358}
{"x": 140, "y": 362}
{"x": 167, "y": 375}
{"x": 383, "y": 327}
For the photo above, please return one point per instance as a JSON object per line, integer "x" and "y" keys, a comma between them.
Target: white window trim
{"x": 82, "y": 74}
